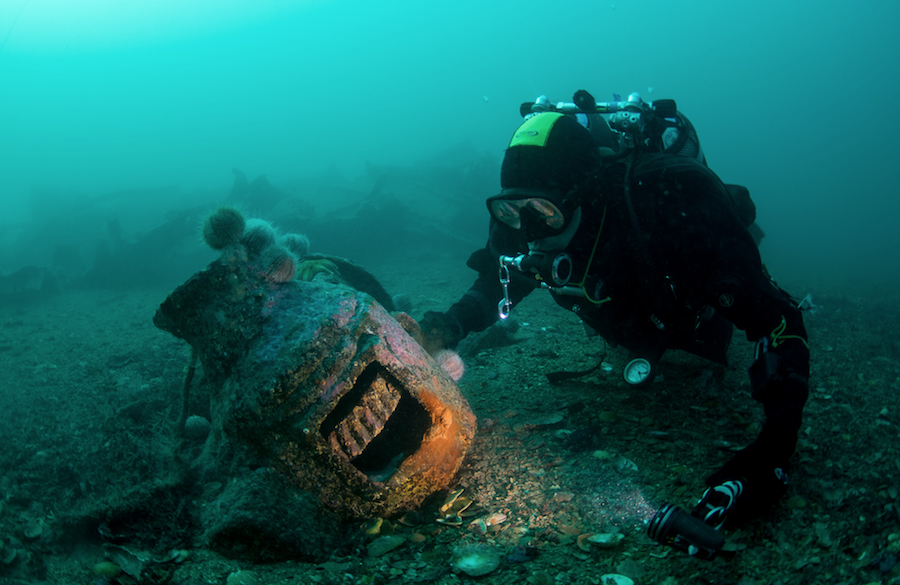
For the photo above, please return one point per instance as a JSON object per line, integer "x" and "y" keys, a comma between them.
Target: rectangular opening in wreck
{"x": 376, "y": 424}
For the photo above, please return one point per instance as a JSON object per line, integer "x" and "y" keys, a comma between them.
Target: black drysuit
{"x": 673, "y": 267}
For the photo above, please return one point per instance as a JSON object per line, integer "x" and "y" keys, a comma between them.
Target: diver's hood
{"x": 555, "y": 156}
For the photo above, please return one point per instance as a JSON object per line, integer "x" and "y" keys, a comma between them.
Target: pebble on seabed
{"x": 107, "y": 569}
{"x": 242, "y": 578}
{"x": 606, "y": 539}
{"x": 475, "y": 560}
{"x": 384, "y": 544}
{"x": 614, "y": 579}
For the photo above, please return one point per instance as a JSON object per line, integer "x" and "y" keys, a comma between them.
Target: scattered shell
{"x": 495, "y": 518}
{"x": 242, "y": 578}
{"x": 608, "y": 416}
{"x": 606, "y": 539}
{"x": 475, "y": 560}
{"x": 132, "y": 562}
{"x": 582, "y": 541}
{"x": 8, "y": 555}
{"x": 451, "y": 520}
{"x": 563, "y": 496}
{"x": 546, "y": 421}
{"x": 406, "y": 565}
{"x": 33, "y": 529}
{"x": 603, "y": 455}
{"x": 173, "y": 556}
{"x": 372, "y": 527}
{"x": 734, "y": 546}
{"x": 471, "y": 511}
{"x": 310, "y": 269}
{"x": 411, "y": 518}
{"x": 418, "y": 538}
{"x": 454, "y": 508}
{"x": 478, "y": 525}
{"x": 211, "y": 489}
{"x": 614, "y": 579}
{"x": 540, "y": 578}
{"x": 624, "y": 464}
{"x": 450, "y": 504}
{"x": 107, "y": 569}
{"x": 384, "y": 544}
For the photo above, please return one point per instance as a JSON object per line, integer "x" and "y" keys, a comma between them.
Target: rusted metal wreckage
{"x": 318, "y": 383}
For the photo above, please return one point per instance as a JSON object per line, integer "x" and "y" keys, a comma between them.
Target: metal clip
{"x": 505, "y": 305}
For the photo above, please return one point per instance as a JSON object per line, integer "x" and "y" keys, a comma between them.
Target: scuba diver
{"x": 611, "y": 207}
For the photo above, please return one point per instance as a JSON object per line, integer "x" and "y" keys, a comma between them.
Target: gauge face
{"x": 637, "y": 370}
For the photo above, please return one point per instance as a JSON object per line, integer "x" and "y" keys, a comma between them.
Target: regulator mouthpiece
{"x": 554, "y": 269}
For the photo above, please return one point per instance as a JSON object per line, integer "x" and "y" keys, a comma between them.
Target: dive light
{"x": 697, "y": 533}
{"x": 674, "y": 527}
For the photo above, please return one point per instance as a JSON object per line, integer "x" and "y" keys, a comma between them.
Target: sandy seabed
{"x": 90, "y": 390}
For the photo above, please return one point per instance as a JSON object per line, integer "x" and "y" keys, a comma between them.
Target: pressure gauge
{"x": 637, "y": 371}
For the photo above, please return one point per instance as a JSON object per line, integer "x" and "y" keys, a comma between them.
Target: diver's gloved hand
{"x": 439, "y": 331}
{"x": 762, "y": 468}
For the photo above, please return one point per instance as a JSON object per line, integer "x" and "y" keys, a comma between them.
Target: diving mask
{"x": 511, "y": 206}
